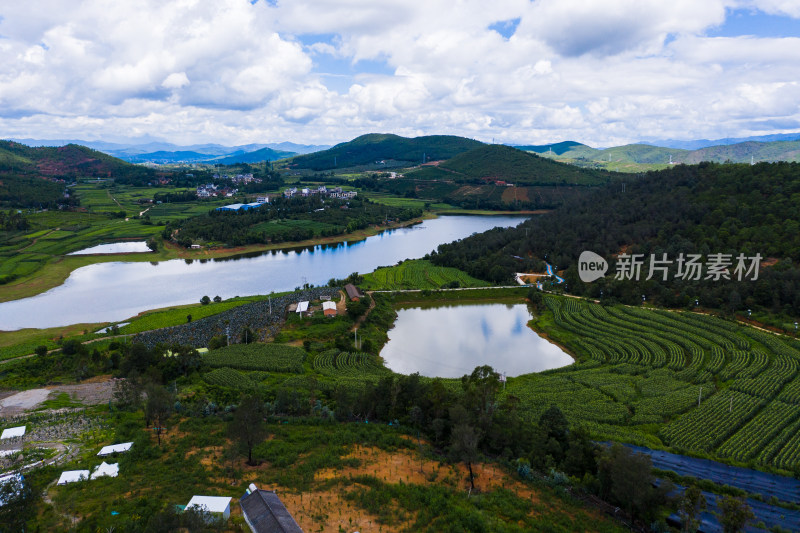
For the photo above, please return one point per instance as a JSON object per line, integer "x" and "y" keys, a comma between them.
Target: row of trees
{"x": 332, "y": 217}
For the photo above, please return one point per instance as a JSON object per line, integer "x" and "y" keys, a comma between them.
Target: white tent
{"x": 13, "y": 432}
{"x": 115, "y": 448}
{"x": 71, "y": 476}
{"x": 212, "y": 504}
{"x": 105, "y": 469}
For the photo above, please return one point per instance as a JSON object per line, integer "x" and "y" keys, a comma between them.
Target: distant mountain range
{"x": 705, "y": 143}
{"x": 742, "y": 152}
{"x": 162, "y": 152}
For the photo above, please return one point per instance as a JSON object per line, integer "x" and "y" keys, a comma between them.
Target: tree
{"x": 205, "y": 300}
{"x": 247, "y": 427}
{"x": 480, "y": 391}
{"x": 464, "y": 447}
{"x": 158, "y": 408}
{"x": 217, "y": 299}
{"x": 691, "y": 504}
{"x": 128, "y": 391}
{"x": 734, "y": 515}
{"x": 16, "y": 504}
{"x": 626, "y": 478}
{"x": 41, "y": 350}
{"x": 247, "y": 336}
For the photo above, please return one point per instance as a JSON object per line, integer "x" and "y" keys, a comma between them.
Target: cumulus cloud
{"x": 234, "y": 71}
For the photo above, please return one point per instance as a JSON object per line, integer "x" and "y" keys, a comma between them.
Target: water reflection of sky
{"x": 115, "y": 248}
{"x": 115, "y": 291}
{"x": 451, "y": 341}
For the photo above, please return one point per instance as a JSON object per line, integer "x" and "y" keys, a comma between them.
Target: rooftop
{"x": 265, "y": 513}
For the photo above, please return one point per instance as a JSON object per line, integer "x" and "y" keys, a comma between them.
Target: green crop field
{"x": 692, "y": 382}
{"x": 265, "y": 357}
{"x": 418, "y": 274}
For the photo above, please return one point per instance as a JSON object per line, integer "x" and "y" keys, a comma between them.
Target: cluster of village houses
{"x": 210, "y": 190}
{"x": 238, "y": 178}
{"x": 328, "y": 307}
{"x": 335, "y": 192}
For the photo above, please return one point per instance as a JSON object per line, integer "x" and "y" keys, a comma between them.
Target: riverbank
{"x": 59, "y": 269}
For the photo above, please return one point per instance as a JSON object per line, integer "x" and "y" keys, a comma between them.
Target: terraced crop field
{"x": 660, "y": 378}
{"x": 350, "y": 365}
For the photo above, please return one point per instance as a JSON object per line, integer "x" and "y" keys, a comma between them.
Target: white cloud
{"x": 231, "y": 71}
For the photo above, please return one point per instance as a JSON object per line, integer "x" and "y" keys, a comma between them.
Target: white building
{"x": 216, "y": 505}
{"x": 10, "y": 433}
{"x": 71, "y": 476}
{"x": 105, "y": 469}
{"x": 115, "y": 448}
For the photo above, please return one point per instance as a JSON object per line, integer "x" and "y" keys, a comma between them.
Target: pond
{"x": 108, "y": 292}
{"x": 451, "y": 340}
{"x": 115, "y": 248}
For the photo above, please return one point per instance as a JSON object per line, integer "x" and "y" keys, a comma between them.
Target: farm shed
{"x": 329, "y": 308}
{"x": 217, "y": 505}
{"x": 105, "y": 469}
{"x": 352, "y": 292}
{"x": 10, "y": 433}
{"x": 115, "y": 448}
{"x": 265, "y": 513}
{"x": 71, "y": 476}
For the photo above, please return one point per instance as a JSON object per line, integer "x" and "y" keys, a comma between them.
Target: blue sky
{"x": 324, "y": 71}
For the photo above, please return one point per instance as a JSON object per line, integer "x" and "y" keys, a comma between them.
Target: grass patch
{"x": 419, "y": 274}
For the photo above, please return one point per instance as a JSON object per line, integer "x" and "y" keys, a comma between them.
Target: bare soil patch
{"x": 94, "y": 391}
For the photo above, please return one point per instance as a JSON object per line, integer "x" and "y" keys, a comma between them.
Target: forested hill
{"x": 500, "y": 162}
{"x": 66, "y": 162}
{"x": 707, "y": 208}
{"x": 368, "y": 149}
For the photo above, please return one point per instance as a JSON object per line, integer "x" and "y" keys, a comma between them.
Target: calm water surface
{"x": 115, "y": 248}
{"x": 450, "y": 341}
{"x": 114, "y": 291}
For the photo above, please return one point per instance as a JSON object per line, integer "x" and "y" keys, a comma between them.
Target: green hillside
{"x": 368, "y": 149}
{"x": 641, "y": 153}
{"x": 500, "y": 162}
{"x": 742, "y": 152}
{"x": 66, "y": 162}
{"x": 643, "y": 157}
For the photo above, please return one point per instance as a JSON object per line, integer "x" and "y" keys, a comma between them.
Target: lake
{"x": 115, "y": 248}
{"x": 451, "y": 340}
{"x": 107, "y": 292}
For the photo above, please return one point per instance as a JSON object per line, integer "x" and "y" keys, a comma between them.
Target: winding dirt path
{"x": 34, "y": 241}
